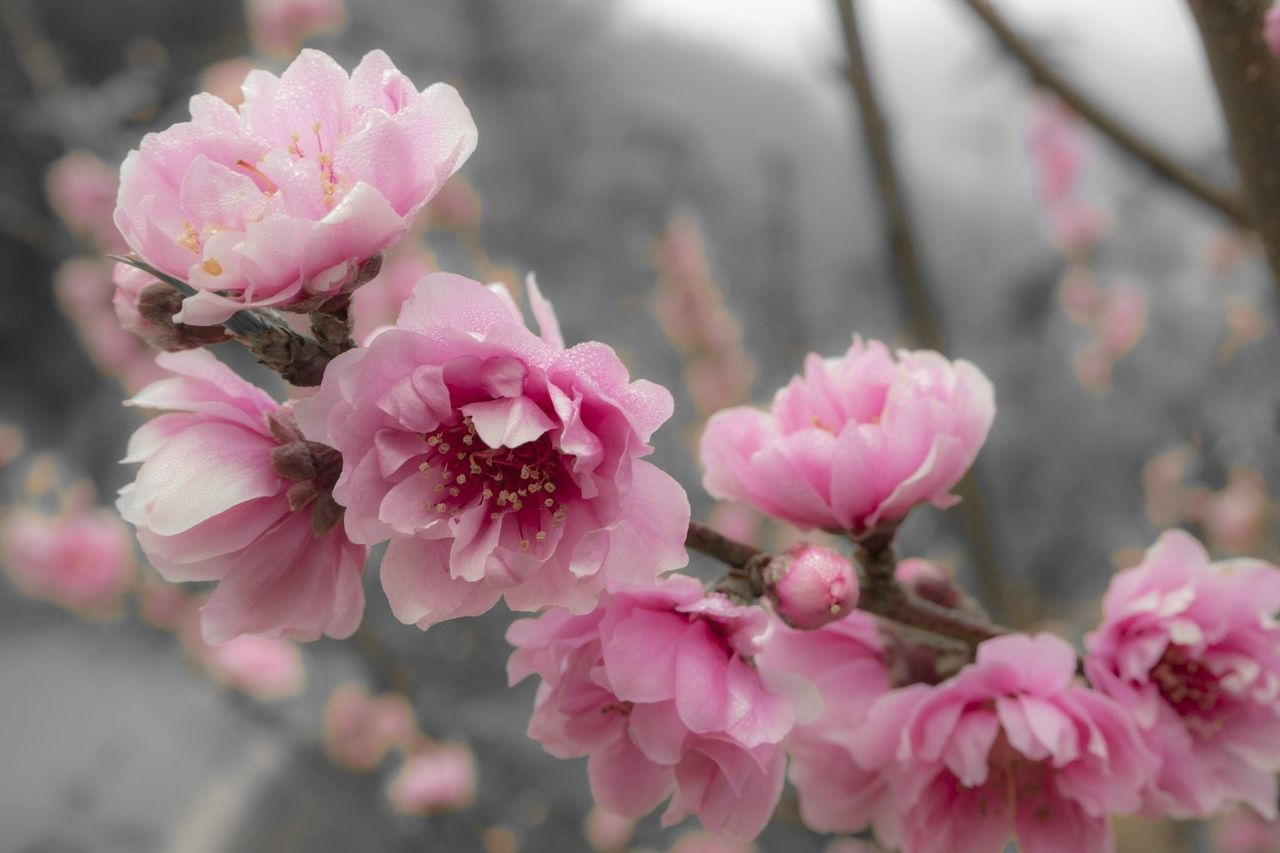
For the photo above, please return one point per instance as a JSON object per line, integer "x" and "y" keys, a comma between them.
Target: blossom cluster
{"x": 498, "y": 463}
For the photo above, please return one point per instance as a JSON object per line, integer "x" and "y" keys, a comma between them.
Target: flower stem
{"x": 881, "y": 595}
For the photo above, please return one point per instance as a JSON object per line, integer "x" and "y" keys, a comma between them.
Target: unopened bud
{"x": 931, "y": 581}
{"x": 810, "y": 585}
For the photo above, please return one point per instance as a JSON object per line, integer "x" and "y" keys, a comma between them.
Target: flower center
{"x": 1190, "y": 687}
{"x": 528, "y": 480}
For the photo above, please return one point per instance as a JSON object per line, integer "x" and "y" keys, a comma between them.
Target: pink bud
{"x": 439, "y": 778}
{"x": 810, "y": 585}
{"x": 931, "y": 581}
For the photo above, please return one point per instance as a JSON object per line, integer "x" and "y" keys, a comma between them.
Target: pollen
{"x": 211, "y": 266}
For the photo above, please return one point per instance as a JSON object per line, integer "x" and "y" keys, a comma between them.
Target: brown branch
{"x": 880, "y": 595}
{"x": 300, "y": 360}
{"x": 1226, "y": 202}
{"x": 1247, "y": 78}
{"x": 915, "y": 293}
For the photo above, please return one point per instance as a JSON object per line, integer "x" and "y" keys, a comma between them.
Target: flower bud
{"x": 810, "y": 585}
{"x": 931, "y": 581}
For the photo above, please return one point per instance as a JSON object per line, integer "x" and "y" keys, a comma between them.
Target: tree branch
{"x": 919, "y": 305}
{"x": 1247, "y": 78}
{"x": 1226, "y": 202}
{"x": 880, "y": 594}
{"x": 300, "y": 360}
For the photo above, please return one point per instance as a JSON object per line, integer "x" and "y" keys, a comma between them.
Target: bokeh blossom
{"x": 279, "y": 27}
{"x": 81, "y": 559}
{"x": 436, "y": 778}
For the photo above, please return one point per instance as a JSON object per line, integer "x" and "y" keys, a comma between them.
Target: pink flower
{"x": 1192, "y": 650}
{"x": 498, "y": 463}
{"x": 229, "y": 492}
{"x": 282, "y": 202}
{"x": 82, "y": 191}
{"x": 266, "y": 668}
{"x": 810, "y": 585}
{"x": 855, "y": 443}
{"x": 1078, "y": 294}
{"x": 1271, "y": 28}
{"x": 656, "y": 686}
{"x": 437, "y": 778}
{"x": 358, "y": 730}
{"x": 279, "y": 27}
{"x": 456, "y": 207}
{"x": 843, "y": 662}
{"x": 224, "y": 79}
{"x": 931, "y": 581}
{"x": 82, "y": 560}
{"x": 1235, "y": 518}
{"x": 377, "y": 303}
{"x": 1009, "y": 747}
{"x": 607, "y": 832}
{"x": 1242, "y": 831}
{"x": 737, "y": 521}
{"x": 145, "y": 307}
{"x": 1122, "y": 318}
{"x": 84, "y": 290}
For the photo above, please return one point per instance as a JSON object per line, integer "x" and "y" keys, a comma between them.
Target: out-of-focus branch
{"x": 922, "y": 317}
{"x": 918, "y": 302}
{"x": 1247, "y": 77}
{"x": 1226, "y": 202}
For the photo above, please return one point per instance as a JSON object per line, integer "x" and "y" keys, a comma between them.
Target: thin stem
{"x": 880, "y": 595}
{"x": 1226, "y": 202}
{"x": 1247, "y": 78}
{"x": 300, "y": 360}
{"x": 919, "y": 304}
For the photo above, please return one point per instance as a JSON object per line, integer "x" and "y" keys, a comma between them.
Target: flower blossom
{"x": 1010, "y": 747}
{"x": 656, "y": 687}
{"x": 843, "y": 662}
{"x": 856, "y": 442}
{"x": 82, "y": 560}
{"x": 83, "y": 287}
{"x": 1192, "y": 650}
{"x": 437, "y": 778}
{"x": 498, "y": 463}
{"x": 228, "y": 491}
{"x": 279, "y": 27}
{"x": 358, "y": 730}
{"x": 82, "y": 191}
{"x": 284, "y": 201}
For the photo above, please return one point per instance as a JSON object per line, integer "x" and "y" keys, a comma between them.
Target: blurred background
{"x": 691, "y": 184}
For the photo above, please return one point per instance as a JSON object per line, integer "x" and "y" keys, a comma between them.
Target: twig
{"x": 880, "y": 595}
{"x": 1226, "y": 202}
{"x": 297, "y": 358}
{"x": 1247, "y": 78}
{"x": 920, "y": 308}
